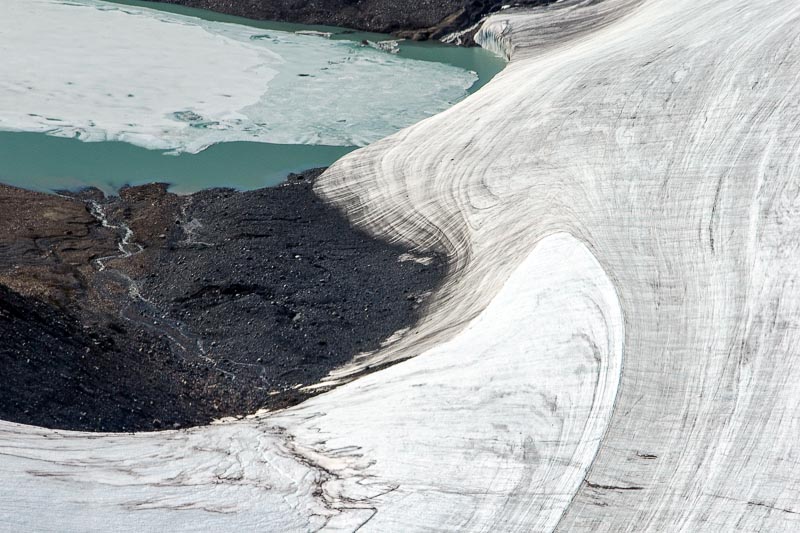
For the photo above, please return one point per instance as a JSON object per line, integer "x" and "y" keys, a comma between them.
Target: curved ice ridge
{"x": 100, "y": 71}
{"x": 663, "y": 134}
{"x": 626, "y": 189}
{"x": 509, "y": 439}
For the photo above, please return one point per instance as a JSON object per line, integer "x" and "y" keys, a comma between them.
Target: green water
{"x": 41, "y": 162}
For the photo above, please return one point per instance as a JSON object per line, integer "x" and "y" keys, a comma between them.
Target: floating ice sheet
{"x": 100, "y": 71}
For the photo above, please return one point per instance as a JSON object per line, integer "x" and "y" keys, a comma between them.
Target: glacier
{"x": 615, "y": 347}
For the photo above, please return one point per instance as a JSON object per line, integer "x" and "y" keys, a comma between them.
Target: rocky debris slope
{"x": 151, "y": 310}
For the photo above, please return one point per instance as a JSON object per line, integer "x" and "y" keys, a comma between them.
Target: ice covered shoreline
{"x": 103, "y": 71}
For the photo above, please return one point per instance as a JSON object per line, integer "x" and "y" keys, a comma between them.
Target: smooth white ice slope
{"x": 665, "y": 134}
{"x": 497, "y": 426}
{"x": 101, "y": 71}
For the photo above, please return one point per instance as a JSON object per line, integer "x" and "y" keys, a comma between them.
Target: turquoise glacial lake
{"x": 205, "y": 100}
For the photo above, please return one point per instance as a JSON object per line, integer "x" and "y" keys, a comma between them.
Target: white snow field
{"x": 101, "y": 71}
{"x": 615, "y": 348}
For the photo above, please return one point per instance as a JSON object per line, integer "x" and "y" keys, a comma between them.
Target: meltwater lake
{"x": 108, "y": 94}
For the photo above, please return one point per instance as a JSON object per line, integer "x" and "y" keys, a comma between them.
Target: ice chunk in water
{"x": 192, "y": 83}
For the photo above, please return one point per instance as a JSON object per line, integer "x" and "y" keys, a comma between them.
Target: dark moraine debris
{"x": 217, "y": 304}
{"x": 414, "y": 19}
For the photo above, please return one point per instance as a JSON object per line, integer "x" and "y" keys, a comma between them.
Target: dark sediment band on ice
{"x": 406, "y": 18}
{"x": 151, "y": 310}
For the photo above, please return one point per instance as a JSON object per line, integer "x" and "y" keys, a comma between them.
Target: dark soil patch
{"x": 224, "y": 302}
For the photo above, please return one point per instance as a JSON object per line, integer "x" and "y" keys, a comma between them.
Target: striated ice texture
{"x": 100, "y": 71}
